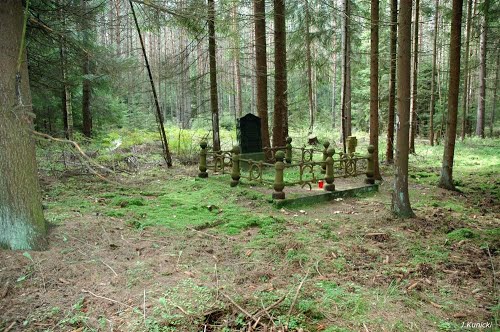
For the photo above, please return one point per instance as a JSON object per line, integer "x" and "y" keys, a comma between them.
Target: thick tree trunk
{"x": 400, "y": 197}
{"x": 389, "y": 154}
{"x": 261, "y": 69}
{"x": 432, "y": 105}
{"x": 374, "y": 86}
{"x": 309, "y": 69}
{"x": 465, "y": 99}
{"x": 280, "y": 123}
{"x": 482, "y": 74}
{"x": 213, "y": 75}
{"x": 413, "y": 118}
{"x": 446, "y": 180}
{"x": 22, "y": 225}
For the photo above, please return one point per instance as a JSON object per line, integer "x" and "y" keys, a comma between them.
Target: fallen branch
{"x": 249, "y": 315}
{"x": 296, "y": 296}
{"x": 81, "y": 155}
{"x": 107, "y": 298}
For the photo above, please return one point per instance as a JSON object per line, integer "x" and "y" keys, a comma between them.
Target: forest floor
{"x": 170, "y": 252}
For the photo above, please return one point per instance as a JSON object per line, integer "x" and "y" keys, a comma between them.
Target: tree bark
{"x": 374, "y": 86}
{"x": 465, "y": 99}
{"x": 389, "y": 154}
{"x": 213, "y": 75}
{"x": 309, "y": 69}
{"x": 446, "y": 180}
{"x": 237, "y": 66}
{"x": 334, "y": 84}
{"x": 400, "y": 197}
{"x": 22, "y": 225}
{"x": 413, "y": 118}
{"x": 492, "y": 119}
{"x": 482, "y": 73}
{"x": 86, "y": 84}
{"x": 346, "y": 74}
{"x": 67, "y": 112}
{"x": 432, "y": 105}
{"x": 280, "y": 123}
{"x": 261, "y": 69}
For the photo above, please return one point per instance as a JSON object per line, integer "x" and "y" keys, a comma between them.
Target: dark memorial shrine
{"x": 249, "y": 135}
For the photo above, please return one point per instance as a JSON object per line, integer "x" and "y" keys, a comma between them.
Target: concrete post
{"x": 329, "y": 177}
{"x": 279, "y": 184}
{"x": 203, "y": 160}
{"x": 235, "y": 173}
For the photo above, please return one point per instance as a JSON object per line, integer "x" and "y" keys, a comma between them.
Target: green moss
{"x": 461, "y": 234}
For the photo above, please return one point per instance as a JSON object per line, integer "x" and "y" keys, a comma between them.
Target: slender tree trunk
{"x": 432, "y": 105}
{"x": 400, "y": 197}
{"x": 164, "y": 141}
{"x": 482, "y": 73}
{"x": 213, "y": 75}
{"x": 374, "y": 85}
{"x": 389, "y": 154}
{"x": 413, "y": 118}
{"x": 280, "y": 123}
{"x": 86, "y": 93}
{"x": 334, "y": 84}
{"x": 492, "y": 119}
{"x": 22, "y": 225}
{"x": 237, "y": 66}
{"x": 465, "y": 99}
{"x": 346, "y": 74}
{"x": 86, "y": 85}
{"x": 65, "y": 93}
{"x": 309, "y": 69}
{"x": 261, "y": 69}
{"x": 446, "y": 180}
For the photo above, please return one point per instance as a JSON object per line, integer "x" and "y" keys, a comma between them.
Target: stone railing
{"x": 349, "y": 164}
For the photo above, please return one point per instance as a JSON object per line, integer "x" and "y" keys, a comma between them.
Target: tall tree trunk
{"x": 86, "y": 93}
{"x": 86, "y": 86}
{"x": 334, "y": 83}
{"x": 22, "y": 225}
{"x": 465, "y": 99}
{"x": 67, "y": 112}
{"x": 309, "y": 69}
{"x": 280, "y": 121}
{"x": 237, "y": 66}
{"x": 413, "y": 118}
{"x": 432, "y": 105}
{"x": 446, "y": 180}
{"x": 389, "y": 154}
{"x": 492, "y": 119}
{"x": 482, "y": 73}
{"x": 213, "y": 75}
{"x": 374, "y": 85}
{"x": 261, "y": 69}
{"x": 400, "y": 197}
{"x": 164, "y": 141}
{"x": 346, "y": 74}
